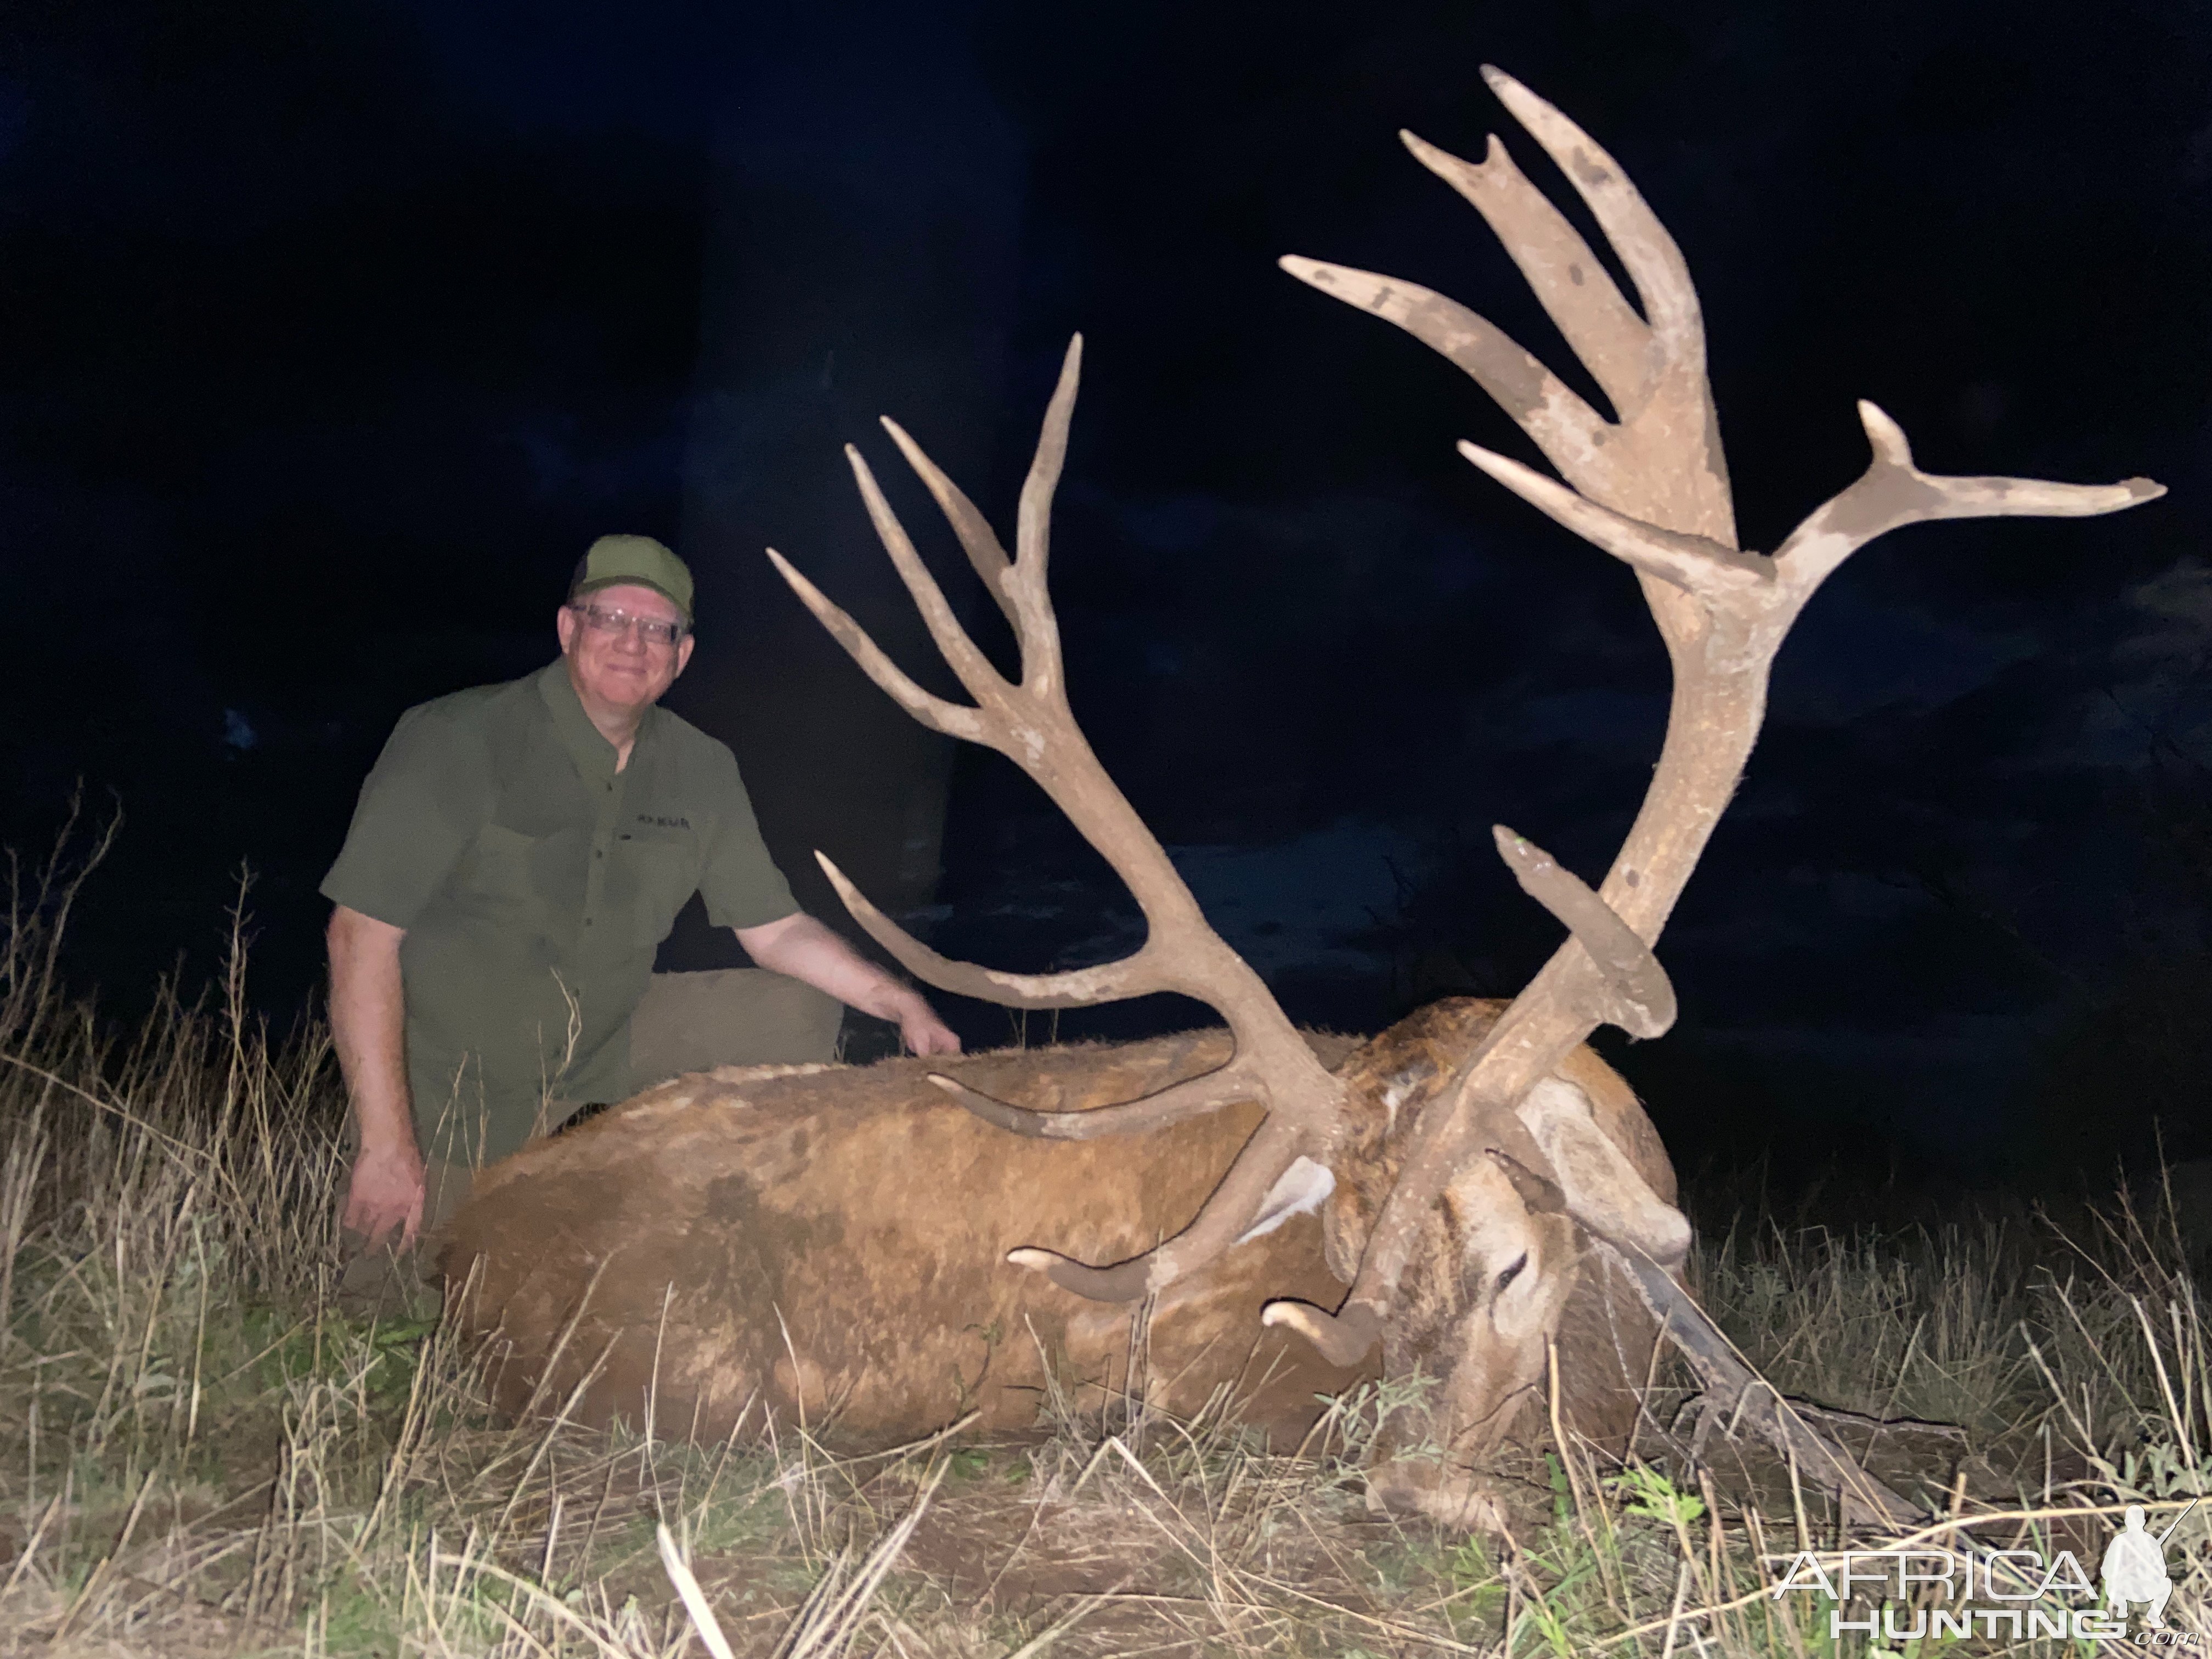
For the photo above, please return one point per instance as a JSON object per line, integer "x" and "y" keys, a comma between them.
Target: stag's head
{"x": 1474, "y": 1207}
{"x": 1513, "y": 1267}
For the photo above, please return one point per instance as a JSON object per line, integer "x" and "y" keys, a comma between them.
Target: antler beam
{"x": 1031, "y": 723}
{"x": 1652, "y": 489}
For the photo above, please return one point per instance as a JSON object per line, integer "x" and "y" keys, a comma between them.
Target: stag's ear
{"x": 1601, "y": 1188}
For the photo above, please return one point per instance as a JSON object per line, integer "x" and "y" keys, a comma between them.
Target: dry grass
{"x": 200, "y": 1455}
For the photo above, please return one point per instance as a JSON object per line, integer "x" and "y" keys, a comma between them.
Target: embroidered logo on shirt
{"x": 664, "y": 824}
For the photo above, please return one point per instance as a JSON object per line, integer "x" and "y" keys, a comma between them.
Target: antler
{"x": 1650, "y": 488}
{"x": 1030, "y": 722}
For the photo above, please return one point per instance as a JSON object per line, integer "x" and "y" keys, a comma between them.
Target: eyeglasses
{"x": 651, "y": 629}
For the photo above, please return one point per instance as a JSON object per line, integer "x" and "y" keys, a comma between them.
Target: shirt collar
{"x": 593, "y": 755}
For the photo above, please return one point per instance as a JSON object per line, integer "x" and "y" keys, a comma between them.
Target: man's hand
{"x": 386, "y": 1191}
{"x": 368, "y": 1025}
{"x": 923, "y": 1033}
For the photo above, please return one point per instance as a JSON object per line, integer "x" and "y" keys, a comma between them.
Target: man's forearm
{"x": 368, "y": 1027}
{"x": 806, "y": 950}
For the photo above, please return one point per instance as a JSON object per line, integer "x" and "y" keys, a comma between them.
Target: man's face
{"x": 615, "y": 663}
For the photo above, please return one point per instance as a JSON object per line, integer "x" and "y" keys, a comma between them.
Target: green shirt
{"x": 531, "y": 875}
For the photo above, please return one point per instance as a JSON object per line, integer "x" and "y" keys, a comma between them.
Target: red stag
{"x": 866, "y": 1248}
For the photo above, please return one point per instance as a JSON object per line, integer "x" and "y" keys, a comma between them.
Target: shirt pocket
{"x": 502, "y": 880}
{"x": 664, "y": 874}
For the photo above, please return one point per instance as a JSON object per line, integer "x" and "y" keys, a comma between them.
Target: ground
{"x": 201, "y": 1454}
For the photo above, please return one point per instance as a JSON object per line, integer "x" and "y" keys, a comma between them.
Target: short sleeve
{"x": 740, "y": 884}
{"x": 422, "y": 804}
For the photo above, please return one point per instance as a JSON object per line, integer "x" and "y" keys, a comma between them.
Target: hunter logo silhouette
{"x": 2135, "y": 1567}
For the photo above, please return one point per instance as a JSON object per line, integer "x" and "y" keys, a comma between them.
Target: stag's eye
{"x": 1510, "y": 1271}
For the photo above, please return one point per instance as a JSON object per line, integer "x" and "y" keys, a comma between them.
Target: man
{"x": 517, "y": 855}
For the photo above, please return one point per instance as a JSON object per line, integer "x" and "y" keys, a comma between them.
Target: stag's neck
{"x": 1390, "y": 1081}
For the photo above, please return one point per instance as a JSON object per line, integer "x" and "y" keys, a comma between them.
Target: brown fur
{"x": 829, "y": 1244}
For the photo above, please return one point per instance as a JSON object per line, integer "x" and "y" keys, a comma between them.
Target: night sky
{"x": 330, "y": 333}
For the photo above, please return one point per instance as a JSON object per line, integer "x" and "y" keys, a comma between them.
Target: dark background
{"x": 330, "y": 333}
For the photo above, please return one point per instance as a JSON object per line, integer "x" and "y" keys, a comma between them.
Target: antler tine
{"x": 1598, "y": 323}
{"x": 1146, "y": 1112}
{"x": 1077, "y": 987}
{"x": 1654, "y": 261}
{"x": 1033, "y": 522}
{"x": 1567, "y": 429}
{"x": 959, "y": 651}
{"x": 1656, "y": 496}
{"x": 1642, "y": 996}
{"x": 1893, "y": 492}
{"x": 977, "y": 539}
{"x": 933, "y": 711}
{"x": 1679, "y": 561}
{"x": 1031, "y": 724}
{"x": 1008, "y": 580}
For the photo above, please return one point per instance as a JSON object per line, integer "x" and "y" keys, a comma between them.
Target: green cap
{"x": 639, "y": 561}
